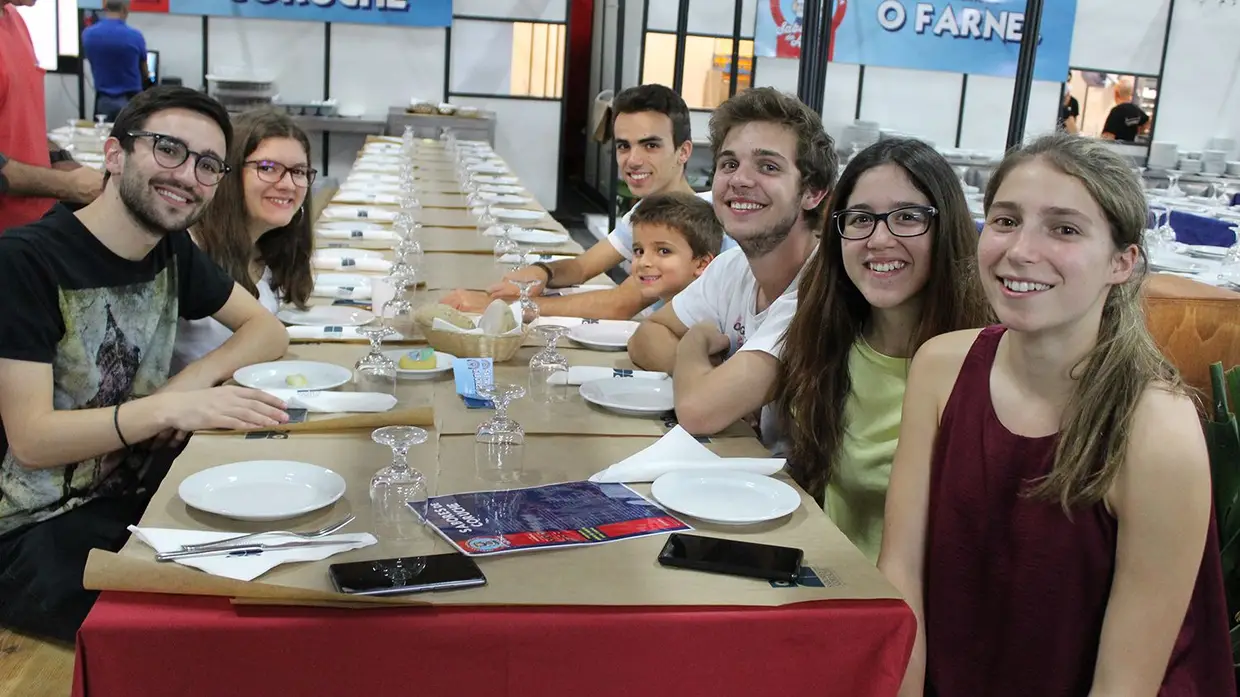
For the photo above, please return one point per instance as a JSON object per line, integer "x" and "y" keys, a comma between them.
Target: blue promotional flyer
{"x": 978, "y": 37}
{"x": 572, "y": 514}
{"x": 409, "y": 13}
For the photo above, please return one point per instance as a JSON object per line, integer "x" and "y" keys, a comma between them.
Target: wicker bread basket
{"x": 497, "y": 348}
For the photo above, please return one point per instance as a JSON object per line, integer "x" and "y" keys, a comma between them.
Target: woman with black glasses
{"x": 257, "y": 227}
{"x": 895, "y": 267}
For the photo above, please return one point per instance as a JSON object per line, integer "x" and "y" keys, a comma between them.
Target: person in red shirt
{"x": 29, "y": 181}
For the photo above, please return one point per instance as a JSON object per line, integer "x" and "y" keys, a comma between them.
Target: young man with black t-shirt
{"x": 91, "y": 303}
{"x": 1126, "y": 119}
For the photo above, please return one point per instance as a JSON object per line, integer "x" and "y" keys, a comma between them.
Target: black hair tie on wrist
{"x": 116, "y": 423}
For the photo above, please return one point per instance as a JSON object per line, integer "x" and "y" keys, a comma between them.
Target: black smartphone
{"x": 437, "y": 572}
{"x": 732, "y": 557}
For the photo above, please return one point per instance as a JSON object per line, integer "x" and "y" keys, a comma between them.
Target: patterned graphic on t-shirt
{"x": 117, "y": 345}
{"x": 739, "y": 327}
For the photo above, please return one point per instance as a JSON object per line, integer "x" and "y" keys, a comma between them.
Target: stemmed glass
{"x": 548, "y": 363}
{"x": 499, "y": 442}
{"x": 486, "y": 221}
{"x": 375, "y": 372}
{"x": 398, "y": 496}
{"x": 398, "y": 312}
{"x": 529, "y": 308}
{"x": 1220, "y": 189}
{"x": 1174, "y": 188}
{"x": 505, "y": 246}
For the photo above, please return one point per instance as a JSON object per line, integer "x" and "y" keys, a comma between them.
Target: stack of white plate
{"x": 1233, "y": 169}
{"x": 1227, "y": 145}
{"x": 863, "y": 133}
{"x": 1213, "y": 161}
{"x": 1163, "y": 155}
{"x": 1190, "y": 166}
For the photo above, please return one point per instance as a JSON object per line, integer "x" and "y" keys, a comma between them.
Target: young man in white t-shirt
{"x": 774, "y": 165}
{"x": 651, "y": 133}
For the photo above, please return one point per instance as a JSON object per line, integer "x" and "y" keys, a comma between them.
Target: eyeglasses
{"x": 907, "y": 221}
{"x": 171, "y": 153}
{"x": 273, "y": 172}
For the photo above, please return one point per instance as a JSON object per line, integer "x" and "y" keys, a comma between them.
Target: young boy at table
{"x": 87, "y": 327}
{"x": 675, "y": 237}
{"x": 651, "y": 134}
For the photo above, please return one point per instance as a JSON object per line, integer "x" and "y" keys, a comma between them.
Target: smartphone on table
{"x": 733, "y": 557}
{"x": 436, "y": 572}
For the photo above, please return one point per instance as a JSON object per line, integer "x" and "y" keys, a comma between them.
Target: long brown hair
{"x": 1110, "y": 379}
{"x": 224, "y": 232}
{"x": 832, "y": 313}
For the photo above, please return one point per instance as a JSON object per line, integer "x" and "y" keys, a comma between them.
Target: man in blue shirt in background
{"x": 117, "y": 55}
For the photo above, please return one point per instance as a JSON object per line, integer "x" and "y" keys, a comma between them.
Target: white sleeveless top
{"x": 197, "y": 338}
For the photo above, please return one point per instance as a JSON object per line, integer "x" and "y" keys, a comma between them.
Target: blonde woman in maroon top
{"x": 1049, "y": 517}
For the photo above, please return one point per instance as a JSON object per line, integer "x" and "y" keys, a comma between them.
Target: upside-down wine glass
{"x": 529, "y": 308}
{"x": 398, "y": 498}
{"x": 549, "y": 367}
{"x": 375, "y": 372}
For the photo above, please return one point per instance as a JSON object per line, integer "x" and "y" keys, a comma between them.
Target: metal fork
{"x": 321, "y": 532}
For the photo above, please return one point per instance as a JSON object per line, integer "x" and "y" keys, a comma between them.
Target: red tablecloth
{"x": 134, "y": 645}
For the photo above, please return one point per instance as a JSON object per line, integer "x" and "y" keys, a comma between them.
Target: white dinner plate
{"x": 488, "y": 168}
{"x": 274, "y": 375}
{"x": 341, "y": 280}
{"x": 325, "y": 315}
{"x": 537, "y": 236}
{"x": 607, "y": 335}
{"x": 1176, "y": 263}
{"x": 508, "y": 199}
{"x": 262, "y": 489}
{"x": 1205, "y": 251}
{"x": 334, "y": 253}
{"x": 358, "y": 213}
{"x": 517, "y": 214}
{"x": 363, "y": 226}
{"x": 443, "y": 363}
{"x": 725, "y": 497}
{"x": 630, "y": 396}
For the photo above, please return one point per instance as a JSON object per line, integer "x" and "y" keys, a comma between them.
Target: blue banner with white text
{"x": 978, "y": 37}
{"x": 410, "y": 13}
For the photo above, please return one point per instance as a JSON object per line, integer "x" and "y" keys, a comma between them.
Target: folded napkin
{"x": 358, "y": 213}
{"x": 328, "y": 402}
{"x": 332, "y": 333}
{"x": 489, "y": 324}
{"x": 250, "y": 566}
{"x": 335, "y": 263}
{"x": 573, "y": 290}
{"x": 328, "y": 290}
{"x": 354, "y": 196}
{"x": 678, "y": 452}
{"x": 357, "y": 234}
{"x": 580, "y": 374}
{"x": 532, "y": 258}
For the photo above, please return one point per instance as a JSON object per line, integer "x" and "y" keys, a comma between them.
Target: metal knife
{"x": 243, "y": 549}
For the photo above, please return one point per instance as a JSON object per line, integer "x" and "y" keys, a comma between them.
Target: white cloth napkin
{"x": 355, "y": 196}
{"x": 573, "y": 290}
{"x": 328, "y": 402}
{"x": 531, "y": 258}
{"x": 358, "y": 213}
{"x": 488, "y": 324}
{"x": 249, "y": 567}
{"x": 678, "y": 452}
{"x": 335, "y": 263}
{"x": 580, "y": 374}
{"x": 358, "y": 234}
{"x": 328, "y": 333}
{"x": 327, "y": 290}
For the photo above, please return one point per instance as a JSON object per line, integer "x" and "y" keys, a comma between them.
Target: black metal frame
{"x": 1024, "y": 74}
{"x": 613, "y": 172}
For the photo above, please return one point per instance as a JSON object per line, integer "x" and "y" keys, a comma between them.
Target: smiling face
{"x": 1047, "y": 256}
{"x": 163, "y": 199}
{"x": 888, "y": 270}
{"x": 757, "y": 190}
{"x": 663, "y": 262}
{"x": 272, "y": 205}
{"x": 648, "y": 160}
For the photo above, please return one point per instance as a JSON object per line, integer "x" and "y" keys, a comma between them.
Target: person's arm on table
{"x": 257, "y": 337}
{"x": 710, "y": 398}
{"x": 77, "y": 185}
{"x": 1162, "y": 499}
{"x": 61, "y": 159}
{"x": 596, "y": 260}
{"x": 621, "y": 302}
{"x": 903, "y": 553}
{"x": 653, "y": 346}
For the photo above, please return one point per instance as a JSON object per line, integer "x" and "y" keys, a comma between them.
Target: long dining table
{"x": 604, "y": 620}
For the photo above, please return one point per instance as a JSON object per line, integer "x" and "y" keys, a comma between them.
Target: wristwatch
{"x": 547, "y": 268}
{"x": 58, "y": 156}
{"x": 4, "y": 181}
